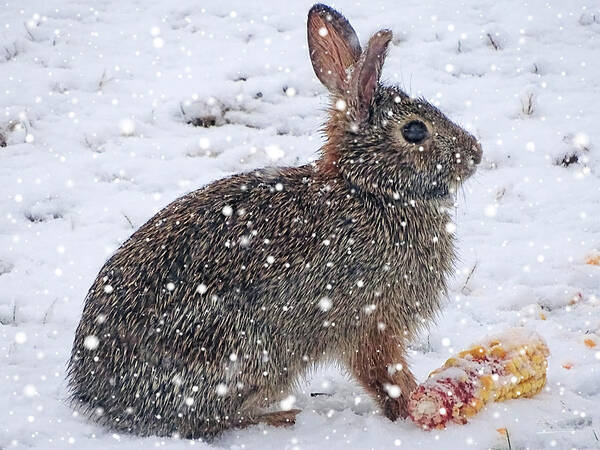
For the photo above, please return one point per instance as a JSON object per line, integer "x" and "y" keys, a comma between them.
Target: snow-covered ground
{"x": 95, "y": 97}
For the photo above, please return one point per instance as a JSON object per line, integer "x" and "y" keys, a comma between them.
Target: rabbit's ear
{"x": 365, "y": 76}
{"x": 333, "y": 46}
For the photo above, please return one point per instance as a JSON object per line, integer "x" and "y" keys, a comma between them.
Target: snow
{"x": 95, "y": 97}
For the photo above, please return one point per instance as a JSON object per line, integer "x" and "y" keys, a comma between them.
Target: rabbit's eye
{"x": 414, "y": 131}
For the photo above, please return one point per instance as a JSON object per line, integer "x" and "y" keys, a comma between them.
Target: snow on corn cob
{"x": 504, "y": 366}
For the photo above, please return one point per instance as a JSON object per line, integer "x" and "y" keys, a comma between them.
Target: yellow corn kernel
{"x": 510, "y": 366}
{"x": 498, "y": 352}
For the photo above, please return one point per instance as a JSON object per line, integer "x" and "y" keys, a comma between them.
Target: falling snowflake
{"x": 287, "y": 403}
{"x": 221, "y": 389}
{"x": 91, "y": 342}
{"x": 325, "y": 304}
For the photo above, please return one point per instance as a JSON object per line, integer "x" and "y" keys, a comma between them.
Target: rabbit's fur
{"x": 218, "y": 304}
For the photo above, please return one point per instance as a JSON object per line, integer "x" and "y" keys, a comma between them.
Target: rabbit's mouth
{"x": 467, "y": 161}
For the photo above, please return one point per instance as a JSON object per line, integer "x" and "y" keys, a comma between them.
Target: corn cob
{"x": 505, "y": 366}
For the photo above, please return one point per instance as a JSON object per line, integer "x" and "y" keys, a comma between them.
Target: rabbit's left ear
{"x": 333, "y": 46}
{"x": 367, "y": 72}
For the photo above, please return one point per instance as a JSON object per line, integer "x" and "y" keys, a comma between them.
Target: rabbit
{"x": 212, "y": 310}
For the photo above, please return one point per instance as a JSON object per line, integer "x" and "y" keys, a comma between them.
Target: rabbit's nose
{"x": 477, "y": 153}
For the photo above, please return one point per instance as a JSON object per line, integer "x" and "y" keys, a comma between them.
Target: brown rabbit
{"x": 213, "y": 309}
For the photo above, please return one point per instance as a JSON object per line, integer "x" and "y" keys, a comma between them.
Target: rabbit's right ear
{"x": 367, "y": 72}
{"x": 333, "y": 46}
